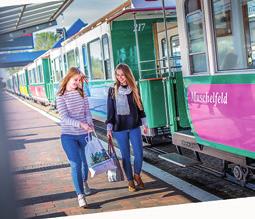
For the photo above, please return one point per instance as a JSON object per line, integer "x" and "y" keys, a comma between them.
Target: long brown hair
{"x": 73, "y": 71}
{"x": 130, "y": 82}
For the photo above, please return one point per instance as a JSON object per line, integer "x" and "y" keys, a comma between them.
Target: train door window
{"x": 77, "y": 58}
{"x": 60, "y": 67}
{"x": 40, "y": 74}
{"x": 163, "y": 62}
{"x": 30, "y": 77}
{"x": 234, "y": 24}
{"x": 196, "y": 38}
{"x": 175, "y": 51}
{"x": 53, "y": 71}
{"x": 20, "y": 79}
{"x": 106, "y": 56}
{"x": 23, "y": 80}
{"x": 34, "y": 75}
{"x": 71, "y": 59}
{"x": 57, "y": 70}
{"x": 96, "y": 60}
{"x": 85, "y": 61}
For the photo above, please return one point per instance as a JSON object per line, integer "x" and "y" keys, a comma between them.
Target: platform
{"x": 43, "y": 178}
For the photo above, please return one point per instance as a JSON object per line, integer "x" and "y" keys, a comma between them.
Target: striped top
{"x": 73, "y": 109}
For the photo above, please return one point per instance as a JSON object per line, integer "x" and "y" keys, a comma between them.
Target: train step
{"x": 179, "y": 160}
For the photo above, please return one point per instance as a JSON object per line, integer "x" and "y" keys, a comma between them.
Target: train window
{"x": 23, "y": 80}
{"x": 77, "y": 57}
{"x": 29, "y": 77}
{"x": 20, "y": 79}
{"x": 65, "y": 63}
{"x": 71, "y": 59}
{"x": 57, "y": 70}
{"x": 163, "y": 63}
{"x": 96, "y": 60}
{"x": 40, "y": 74}
{"x": 85, "y": 61}
{"x": 34, "y": 75}
{"x": 106, "y": 55}
{"x": 195, "y": 28}
{"x": 175, "y": 51}
{"x": 234, "y": 26}
{"x": 60, "y": 67}
{"x": 192, "y": 5}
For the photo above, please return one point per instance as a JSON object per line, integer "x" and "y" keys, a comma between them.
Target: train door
{"x": 48, "y": 79}
{"x": 169, "y": 69}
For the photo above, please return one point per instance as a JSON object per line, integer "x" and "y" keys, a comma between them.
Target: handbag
{"x": 98, "y": 160}
{"x": 114, "y": 175}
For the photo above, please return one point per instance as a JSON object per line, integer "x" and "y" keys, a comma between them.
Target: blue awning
{"x": 75, "y": 28}
{"x": 18, "y": 59}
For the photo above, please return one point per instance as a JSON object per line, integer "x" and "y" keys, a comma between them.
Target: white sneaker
{"x": 82, "y": 201}
{"x": 87, "y": 190}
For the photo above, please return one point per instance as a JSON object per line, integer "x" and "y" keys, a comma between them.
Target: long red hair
{"x": 73, "y": 71}
{"x": 130, "y": 82}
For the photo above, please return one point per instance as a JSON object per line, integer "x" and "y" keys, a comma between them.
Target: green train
{"x": 194, "y": 64}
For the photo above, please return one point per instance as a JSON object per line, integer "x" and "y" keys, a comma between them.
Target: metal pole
{"x": 137, "y": 47}
{"x": 168, "y": 61}
{"x": 166, "y": 36}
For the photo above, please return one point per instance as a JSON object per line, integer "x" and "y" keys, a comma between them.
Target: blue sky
{"x": 87, "y": 10}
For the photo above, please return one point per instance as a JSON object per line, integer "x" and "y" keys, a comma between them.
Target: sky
{"x": 87, "y": 10}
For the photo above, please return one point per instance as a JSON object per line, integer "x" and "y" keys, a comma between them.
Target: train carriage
{"x": 15, "y": 83}
{"x": 121, "y": 37}
{"x": 56, "y": 73}
{"x": 23, "y": 83}
{"x": 90, "y": 51}
{"x": 9, "y": 85}
{"x": 218, "y": 66}
{"x": 39, "y": 76}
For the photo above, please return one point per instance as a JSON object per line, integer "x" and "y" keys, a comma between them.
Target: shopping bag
{"x": 98, "y": 159}
{"x": 114, "y": 175}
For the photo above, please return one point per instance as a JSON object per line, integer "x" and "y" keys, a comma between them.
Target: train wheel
{"x": 240, "y": 173}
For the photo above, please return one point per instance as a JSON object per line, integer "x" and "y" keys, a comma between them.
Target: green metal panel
{"x": 124, "y": 45}
{"x": 27, "y": 82}
{"x": 171, "y": 102}
{"x": 47, "y": 74}
{"x": 46, "y": 70}
{"x": 183, "y": 121}
{"x": 152, "y": 95}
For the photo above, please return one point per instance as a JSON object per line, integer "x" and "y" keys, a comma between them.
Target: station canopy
{"x": 18, "y": 20}
{"x": 21, "y": 14}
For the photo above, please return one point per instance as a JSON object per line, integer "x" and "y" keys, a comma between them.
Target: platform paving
{"x": 42, "y": 173}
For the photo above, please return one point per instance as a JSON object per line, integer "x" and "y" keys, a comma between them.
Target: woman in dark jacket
{"x": 125, "y": 115}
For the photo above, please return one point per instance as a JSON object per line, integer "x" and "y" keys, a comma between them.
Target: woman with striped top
{"x": 76, "y": 123}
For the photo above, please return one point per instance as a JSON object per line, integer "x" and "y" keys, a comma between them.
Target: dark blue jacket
{"x": 123, "y": 122}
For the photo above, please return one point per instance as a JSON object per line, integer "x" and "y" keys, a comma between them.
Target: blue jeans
{"x": 74, "y": 147}
{"x": 135, "y": 137}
